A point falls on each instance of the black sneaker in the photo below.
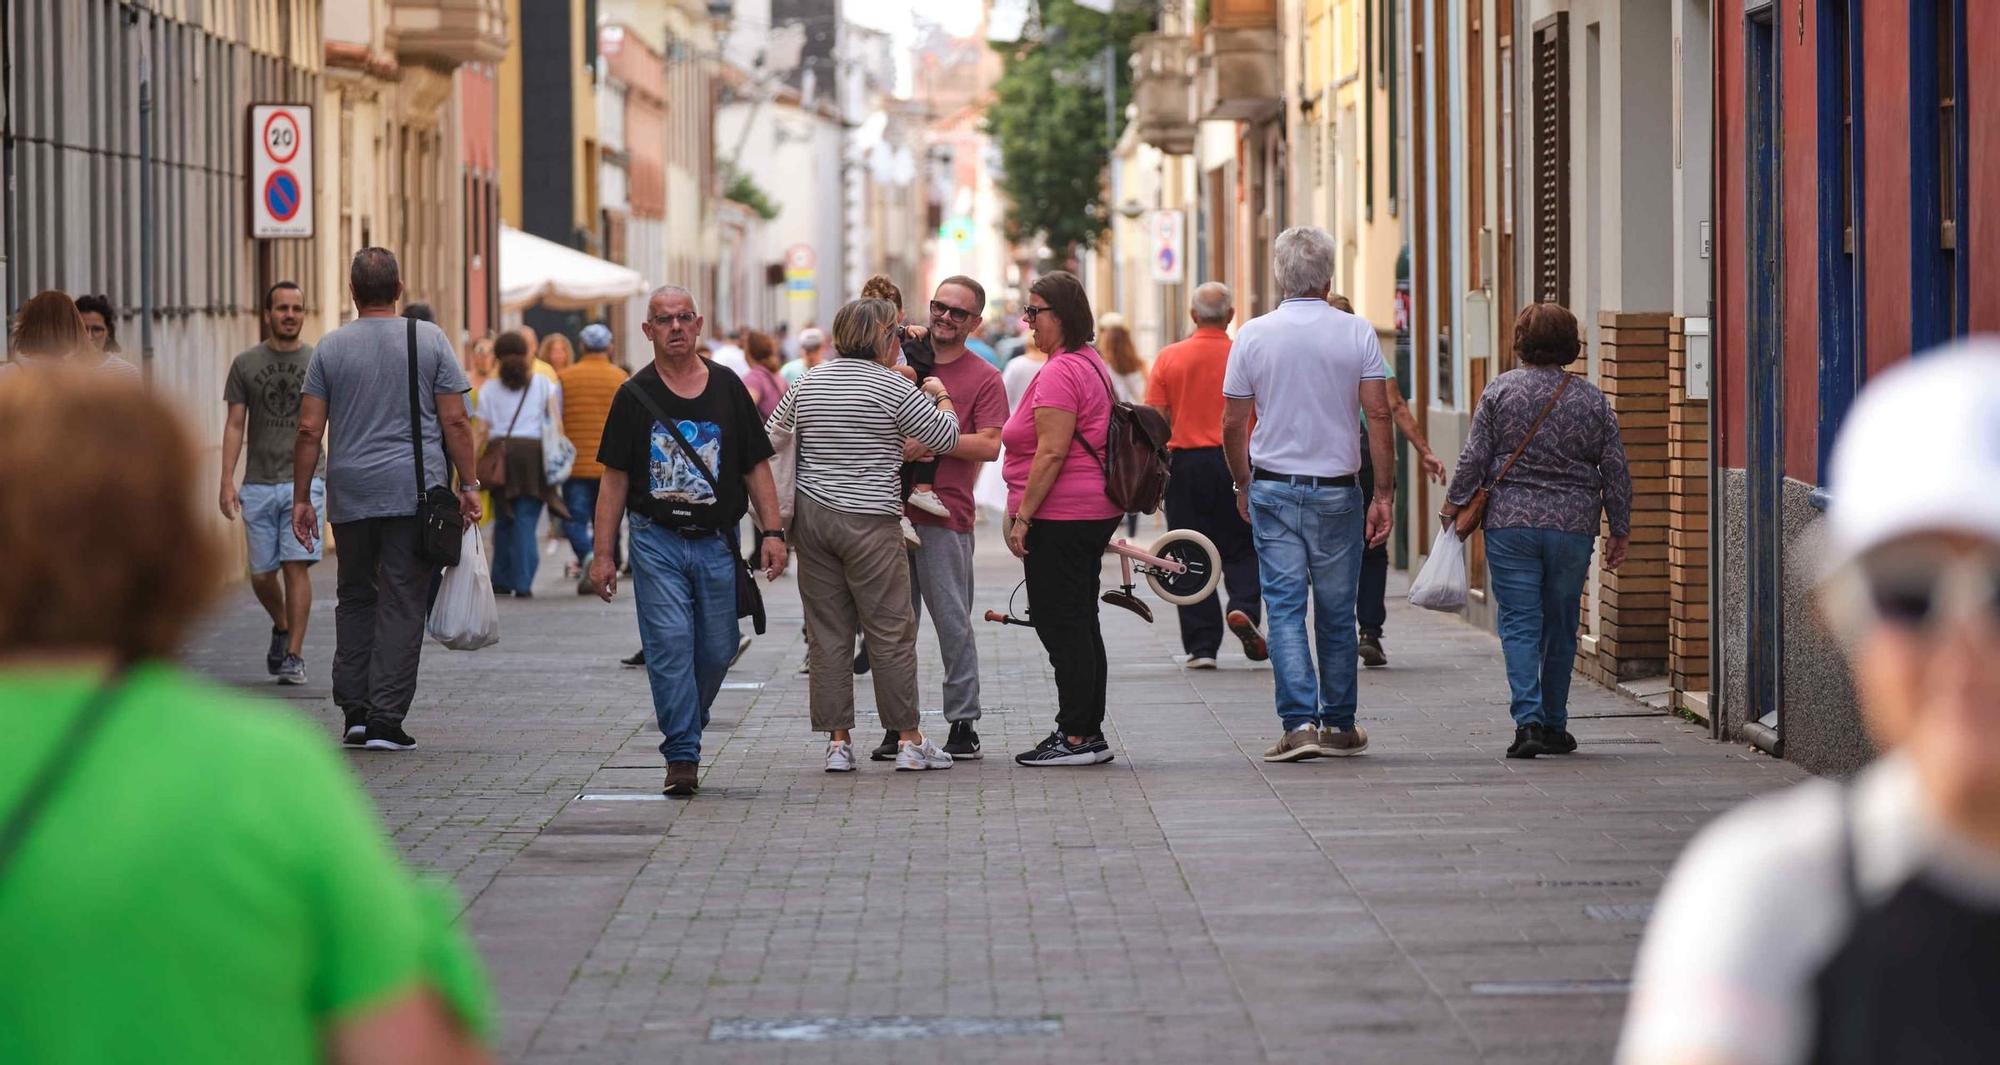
(1371, 651)
(1056, 750)
(891, 741)
(638, 658)
(1558, 741)
(1529, 741)
(389, 738)
(861, 661)
(963, 743)
(292, 670)
(274, 658)
(354, 729)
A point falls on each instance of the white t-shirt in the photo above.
(1019, 370)
(1304, 363)
(1756, 907)
(731, 356)
(497, 404)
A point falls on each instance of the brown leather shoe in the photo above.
(682, 779)
(1295, 745)
(1335, 743)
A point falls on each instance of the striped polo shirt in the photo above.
(849, 418)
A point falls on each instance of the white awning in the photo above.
(533, 270)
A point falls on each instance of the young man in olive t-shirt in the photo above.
(262, 391)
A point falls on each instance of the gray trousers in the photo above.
(378, 622)
(851, 570)
(941, 578)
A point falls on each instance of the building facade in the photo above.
(1859, 216)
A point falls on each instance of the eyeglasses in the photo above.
(685, 318)
(946, 310)
(1029, 312)
(1917, 591)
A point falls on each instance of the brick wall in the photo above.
(1687, 524)
(1634, 604)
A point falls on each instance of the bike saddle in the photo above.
(1130, 602)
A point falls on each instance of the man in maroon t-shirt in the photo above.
(941, 569)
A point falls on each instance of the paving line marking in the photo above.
(829, 1029)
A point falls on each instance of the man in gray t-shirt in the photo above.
(261, 394)
(358, 387)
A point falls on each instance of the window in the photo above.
(1551, 99)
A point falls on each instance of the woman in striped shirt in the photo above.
(849, 417)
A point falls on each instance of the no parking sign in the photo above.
(281, 171)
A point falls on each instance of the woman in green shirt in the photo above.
(186, 874)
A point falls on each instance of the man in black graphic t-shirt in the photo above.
(683, 568)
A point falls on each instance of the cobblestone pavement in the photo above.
(1430, 901)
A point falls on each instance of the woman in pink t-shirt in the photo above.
(1058, 517)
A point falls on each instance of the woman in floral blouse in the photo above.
(1542, 518)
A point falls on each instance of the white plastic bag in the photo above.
(465, 617)
(1443, 583)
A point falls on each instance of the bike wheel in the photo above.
(1198, 554)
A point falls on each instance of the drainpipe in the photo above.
(1716, 278)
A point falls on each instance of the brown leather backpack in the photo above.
(1135, 461)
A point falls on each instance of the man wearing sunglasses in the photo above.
(1861, 921)
(941, 566)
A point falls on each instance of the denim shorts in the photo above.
(267, 525)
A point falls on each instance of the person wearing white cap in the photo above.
(812, 351)
(1860, 922)
(587, 388)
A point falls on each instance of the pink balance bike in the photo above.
(1182, 567)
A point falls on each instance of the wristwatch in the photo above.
(772, 534)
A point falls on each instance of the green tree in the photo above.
(1047, 116)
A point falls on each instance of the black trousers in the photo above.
(1063, 563)
(1370, 606)
(1198, 498)
(378, 622)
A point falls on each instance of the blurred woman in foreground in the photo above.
(1860, 922)
(186, 873)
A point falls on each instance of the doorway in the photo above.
(1764, 385)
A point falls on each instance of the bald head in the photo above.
(1212, 305)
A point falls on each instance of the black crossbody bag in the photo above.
(749, 598)
(440, 524)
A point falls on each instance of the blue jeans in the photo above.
(1309, 539)
(580, 497)
(516, 555)
(686, 591)
(1538, 576)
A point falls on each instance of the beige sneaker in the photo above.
(1295, 745)
(1335, 743)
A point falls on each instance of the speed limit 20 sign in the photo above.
(281, 171)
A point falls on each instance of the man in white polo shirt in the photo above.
(1307, 372)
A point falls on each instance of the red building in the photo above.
(1858, 194)
(479, 156)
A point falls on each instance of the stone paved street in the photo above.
(1429, 902)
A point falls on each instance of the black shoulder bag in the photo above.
(440, 524)
(749, 598)
(68, 749)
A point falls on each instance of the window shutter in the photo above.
(1552, 159)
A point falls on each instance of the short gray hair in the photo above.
(672, 290)
(1213, 304)
(1302, 260)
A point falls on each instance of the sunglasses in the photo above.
(1917, 592)
(946, 310)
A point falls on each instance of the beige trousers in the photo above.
(854, 566)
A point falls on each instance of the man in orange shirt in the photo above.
(587, 388)
(1186, 386)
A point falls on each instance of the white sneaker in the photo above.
(805, 666)
(928, 502)
(1201, 662)
(839, 756)
(910, 534)
(925, 755)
